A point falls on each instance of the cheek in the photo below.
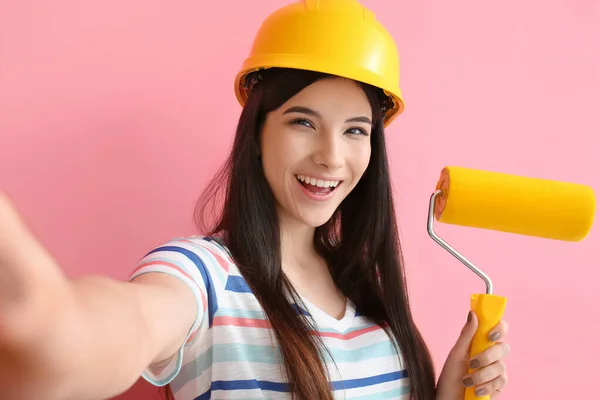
(360, 161)
(271, 169)
(281, 152)
(276, 159)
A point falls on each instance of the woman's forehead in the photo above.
(332, 97)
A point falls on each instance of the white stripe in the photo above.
(188, 265)
(201, 248)
(241, 367)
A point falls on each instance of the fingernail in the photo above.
(480, 392)
(469, 317)
(495, 336)
(468, 382)
(474, 364)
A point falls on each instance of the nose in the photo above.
(329, 151)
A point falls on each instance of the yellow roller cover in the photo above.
(515, 204)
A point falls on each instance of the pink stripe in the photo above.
(192, 336)
(165, 264)
(350, 335)
(222, 262)
(261, 323)
(246, 322)
(204, 301)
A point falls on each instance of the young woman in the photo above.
(298, 289)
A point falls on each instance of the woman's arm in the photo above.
(122, 328)
(88, 338)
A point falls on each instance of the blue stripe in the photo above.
(267, 354)
(250, 384)
(244, 385)
(237, 284)
(204, 252)
(372, 380)
(204, 396)
(300, 310)
(283, 387)
(213, 304)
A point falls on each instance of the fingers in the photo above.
(494, 386)
(495, 395)
(495, 352)
(492, 354)
(10, 220)
(14, 235)
(29, 276)
(499, 331)
(490, 374)
(485, 374)
(10, 224)
(21, 252)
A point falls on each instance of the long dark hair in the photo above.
(361, 248)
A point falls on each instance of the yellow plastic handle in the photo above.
(489, 309)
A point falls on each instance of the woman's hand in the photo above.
(31, 282)
(489, 376)
(33, 291)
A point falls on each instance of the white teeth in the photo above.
(317, 182)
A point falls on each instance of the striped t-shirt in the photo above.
(230, 351)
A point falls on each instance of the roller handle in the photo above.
(489, 309)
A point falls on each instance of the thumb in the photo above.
(12, 234)
(469, 330)
(460, 351)
(32, 285)
(456, 364)
(25, 264)
(20, 250)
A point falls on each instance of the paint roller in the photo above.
(507, 203)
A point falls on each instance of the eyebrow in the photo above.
(309, 111)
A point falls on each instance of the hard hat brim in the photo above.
(252, 64)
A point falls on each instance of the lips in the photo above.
(317, 189)
(308, 180)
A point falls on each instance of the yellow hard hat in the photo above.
(338, 37)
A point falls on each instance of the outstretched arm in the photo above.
(88, 338)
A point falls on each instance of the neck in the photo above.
(296, 240)
(306, 270)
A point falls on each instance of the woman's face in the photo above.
(316, 147)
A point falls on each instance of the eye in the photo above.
(301, 121)
(357, 131)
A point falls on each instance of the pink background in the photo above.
(114, 114)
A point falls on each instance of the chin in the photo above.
(314, 219)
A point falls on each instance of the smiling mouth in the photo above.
(317, 186)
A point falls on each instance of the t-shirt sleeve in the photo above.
(182, 259)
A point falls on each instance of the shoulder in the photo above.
(200, 256)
